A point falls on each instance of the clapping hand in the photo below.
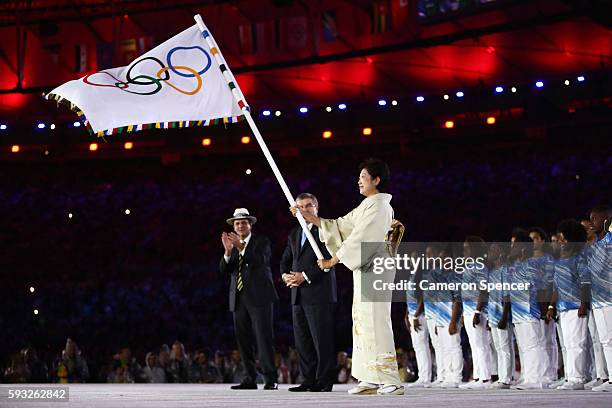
(227, 243)
(235, 240)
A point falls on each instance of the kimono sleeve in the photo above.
(333, 231)
(369, 226)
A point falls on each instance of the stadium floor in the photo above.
(219, 395)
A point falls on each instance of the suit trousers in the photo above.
(313, 329)
(254, 330)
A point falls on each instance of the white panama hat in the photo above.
(241, 214)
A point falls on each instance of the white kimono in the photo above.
(374, 358)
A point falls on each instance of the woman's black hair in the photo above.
(377, 168)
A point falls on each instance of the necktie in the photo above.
(239, 284)
(303, 239)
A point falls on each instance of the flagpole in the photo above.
(240, 99)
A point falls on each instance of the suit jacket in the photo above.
(322, 288)
(258, 287)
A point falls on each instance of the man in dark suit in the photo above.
(251, 297)
(313, 296)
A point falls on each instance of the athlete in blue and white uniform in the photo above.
(500, 318)
(570, 301)
(475, 313)
(416, 324)
(528, 327)
(600, 267)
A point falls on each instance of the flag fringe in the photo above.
(138, 127)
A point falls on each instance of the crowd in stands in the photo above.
(168, 365)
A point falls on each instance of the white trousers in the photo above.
(494, 369)
(420, 343)
(503, 340)
(601, 371)
(552, 351)
(435, 342)
(531, 342)
(603, 321)
(575, 331)
(480, 346)
(450, 346)
(562, 347)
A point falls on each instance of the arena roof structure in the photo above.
(291, 53)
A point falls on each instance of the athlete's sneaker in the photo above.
(449, 384)
(557, 383)
(528, 386)
(363, 388)
(571, 385)
(500, 386)
(419, 384)
(391, 389)
(435, 384)
(605, 387)
(470, 385)
(596, 382)
(482, 385)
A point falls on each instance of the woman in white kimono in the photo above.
(374, 361)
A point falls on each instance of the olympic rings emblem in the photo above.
(161, 76)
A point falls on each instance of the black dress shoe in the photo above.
(301, 388)
(271, 386)
(321, 388)
(244, 386)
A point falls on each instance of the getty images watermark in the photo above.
(439, 271)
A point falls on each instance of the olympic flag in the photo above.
(176, 84)
(180, 83)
